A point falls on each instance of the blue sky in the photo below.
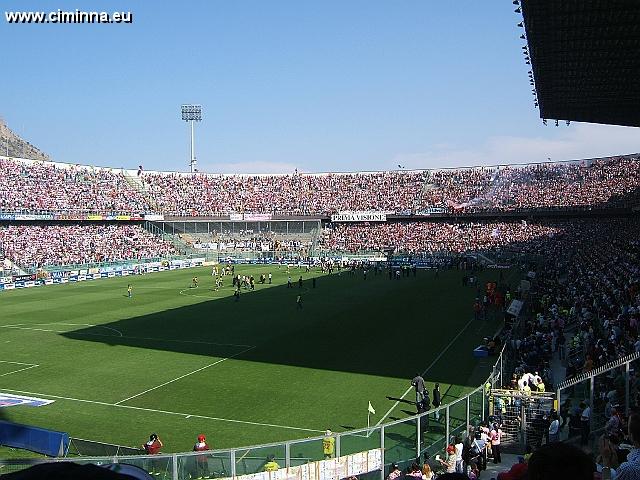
(318, 86)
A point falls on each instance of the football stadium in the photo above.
(178, 321)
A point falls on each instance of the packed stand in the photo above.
(46, 187)
(433, 237)
(41, 246)
(560, 185)
(467, 190)
(296, 194)
(40, 186)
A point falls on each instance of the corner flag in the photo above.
(371, 410)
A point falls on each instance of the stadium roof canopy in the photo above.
(585, 57)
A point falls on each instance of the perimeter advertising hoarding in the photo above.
(29, 217)
(359, 217)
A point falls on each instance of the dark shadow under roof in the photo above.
(585, 57)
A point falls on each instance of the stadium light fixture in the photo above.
(523, 37)
(521, 25)
(191, 114)
(517, 10)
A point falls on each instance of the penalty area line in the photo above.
(153, 410)
(183, 376)
(19, 370)
(426, 370)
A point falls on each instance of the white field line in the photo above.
(152, 410)
(427, 369)
(19, 370)
(83, 325)
(18, 363)
(20, 327)
(210, 297)
(183, 376)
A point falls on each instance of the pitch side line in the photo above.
(19, 370)
(152, 410)
(185, 375)
(20, 327)
(427, 369)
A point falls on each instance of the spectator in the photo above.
(630, 470)
(560, 461)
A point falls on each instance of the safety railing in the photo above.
(400, 441)
(601, 389)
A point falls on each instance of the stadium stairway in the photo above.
(136, 182)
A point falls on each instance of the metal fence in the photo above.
(401, 441)
(600, 389)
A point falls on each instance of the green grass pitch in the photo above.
(181, 361)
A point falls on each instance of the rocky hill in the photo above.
(16, 146)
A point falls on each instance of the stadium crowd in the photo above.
(45, 186)
(41, 246)
(433, 237)
(38, 187)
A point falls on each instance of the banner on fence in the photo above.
(330, 469)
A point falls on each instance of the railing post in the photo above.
(592, 383)
(382, 450)
(418, 436)
(482, 391)
(627, 392)
(174, 466)
(501, 381)
(446, 413)
(338, 446)
(466, 428)
(233, 463)
(287, 454)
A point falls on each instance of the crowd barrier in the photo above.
(40, 440)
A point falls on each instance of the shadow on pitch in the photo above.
(378, 326)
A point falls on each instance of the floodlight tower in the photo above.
(192, 113)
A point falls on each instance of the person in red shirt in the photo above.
(201, 461)
(152, 447)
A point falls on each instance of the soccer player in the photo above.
(299, 302)
(300, 282)
(289, 281)
(270, 277)
(194, 282)
(129, 290)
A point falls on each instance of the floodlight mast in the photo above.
(192, 113)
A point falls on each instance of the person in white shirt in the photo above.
(585, 423)
(554, 428)
(459, 446)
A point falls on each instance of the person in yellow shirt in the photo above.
(328, 445)
(271, 465)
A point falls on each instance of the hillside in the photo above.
(16, 146)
